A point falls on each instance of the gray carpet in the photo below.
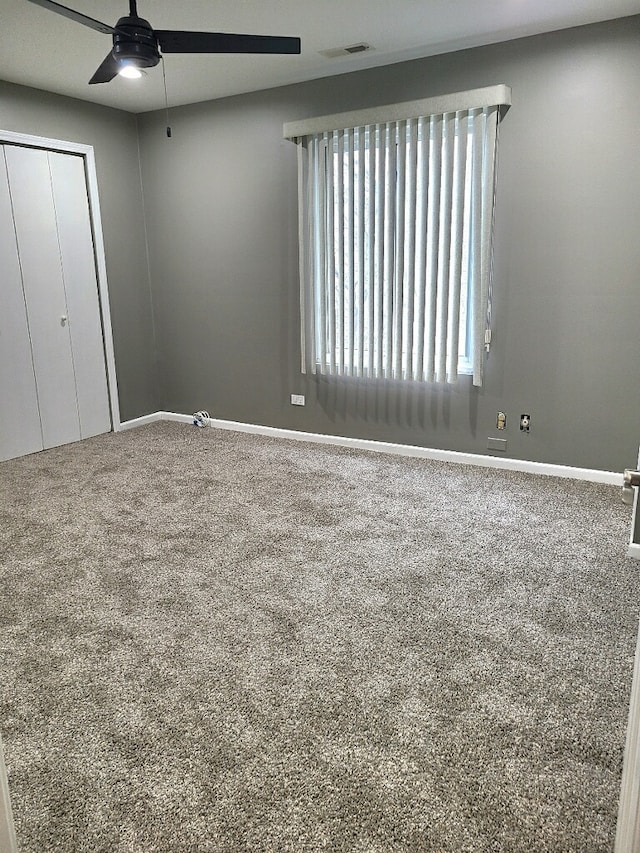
(211, 641)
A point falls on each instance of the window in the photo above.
(395, 239)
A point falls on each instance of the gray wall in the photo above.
(113, 134)
(221, 203)
(221, 214)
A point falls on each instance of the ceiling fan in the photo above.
(137, 45)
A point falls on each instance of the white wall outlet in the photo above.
(297, 399)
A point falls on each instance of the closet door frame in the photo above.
(86, 151)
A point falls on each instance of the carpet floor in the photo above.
(212, 641)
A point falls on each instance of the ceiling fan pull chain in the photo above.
(166, 100)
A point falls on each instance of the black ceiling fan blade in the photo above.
(176, 41)
(78, 17)
(107, 71)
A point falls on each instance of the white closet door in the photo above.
(20, 431)
(81, 288)
(43, 284)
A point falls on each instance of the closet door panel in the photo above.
(81, 288)
(39, 251)
(19, 415)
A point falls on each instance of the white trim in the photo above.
(490, 96)
(628, 827)
(14, 138)
(182, 419)
(86, 151)
(8, 842)
(592, 475)
(142, 421)
(155, 416)
(634, 547)
(103, 289)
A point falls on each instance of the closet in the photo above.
(53, 377)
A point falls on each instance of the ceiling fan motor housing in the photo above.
(134, 41)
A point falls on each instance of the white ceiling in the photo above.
(46, 51)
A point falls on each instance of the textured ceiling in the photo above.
(46, 51)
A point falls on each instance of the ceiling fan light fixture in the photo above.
(130, 71)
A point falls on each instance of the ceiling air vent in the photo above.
(334, 52)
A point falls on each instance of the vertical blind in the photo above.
(395, 243)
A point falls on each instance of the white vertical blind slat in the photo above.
(371, 234)
(457, 223)
(486, 225)
(309, 270)
(350, 254)
(389, 249)
(422, 184)
(330, 289)
(401, 129)
(475, 243)
(444, 246)
(433, 238)
(380, 158)
(340, 277)
(410, 251)
(304, 241)
(360, 319)
(320, 265)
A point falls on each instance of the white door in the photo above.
(81, 288)
(54, 241)
(20, 431)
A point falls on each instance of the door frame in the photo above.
(628, 825)
(8, 841)
(86, 152)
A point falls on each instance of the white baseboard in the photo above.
(137, 422)
(593, 475)
(634, 551)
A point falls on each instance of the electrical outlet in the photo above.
(525, 423)
(297, 399)
(501, 421)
